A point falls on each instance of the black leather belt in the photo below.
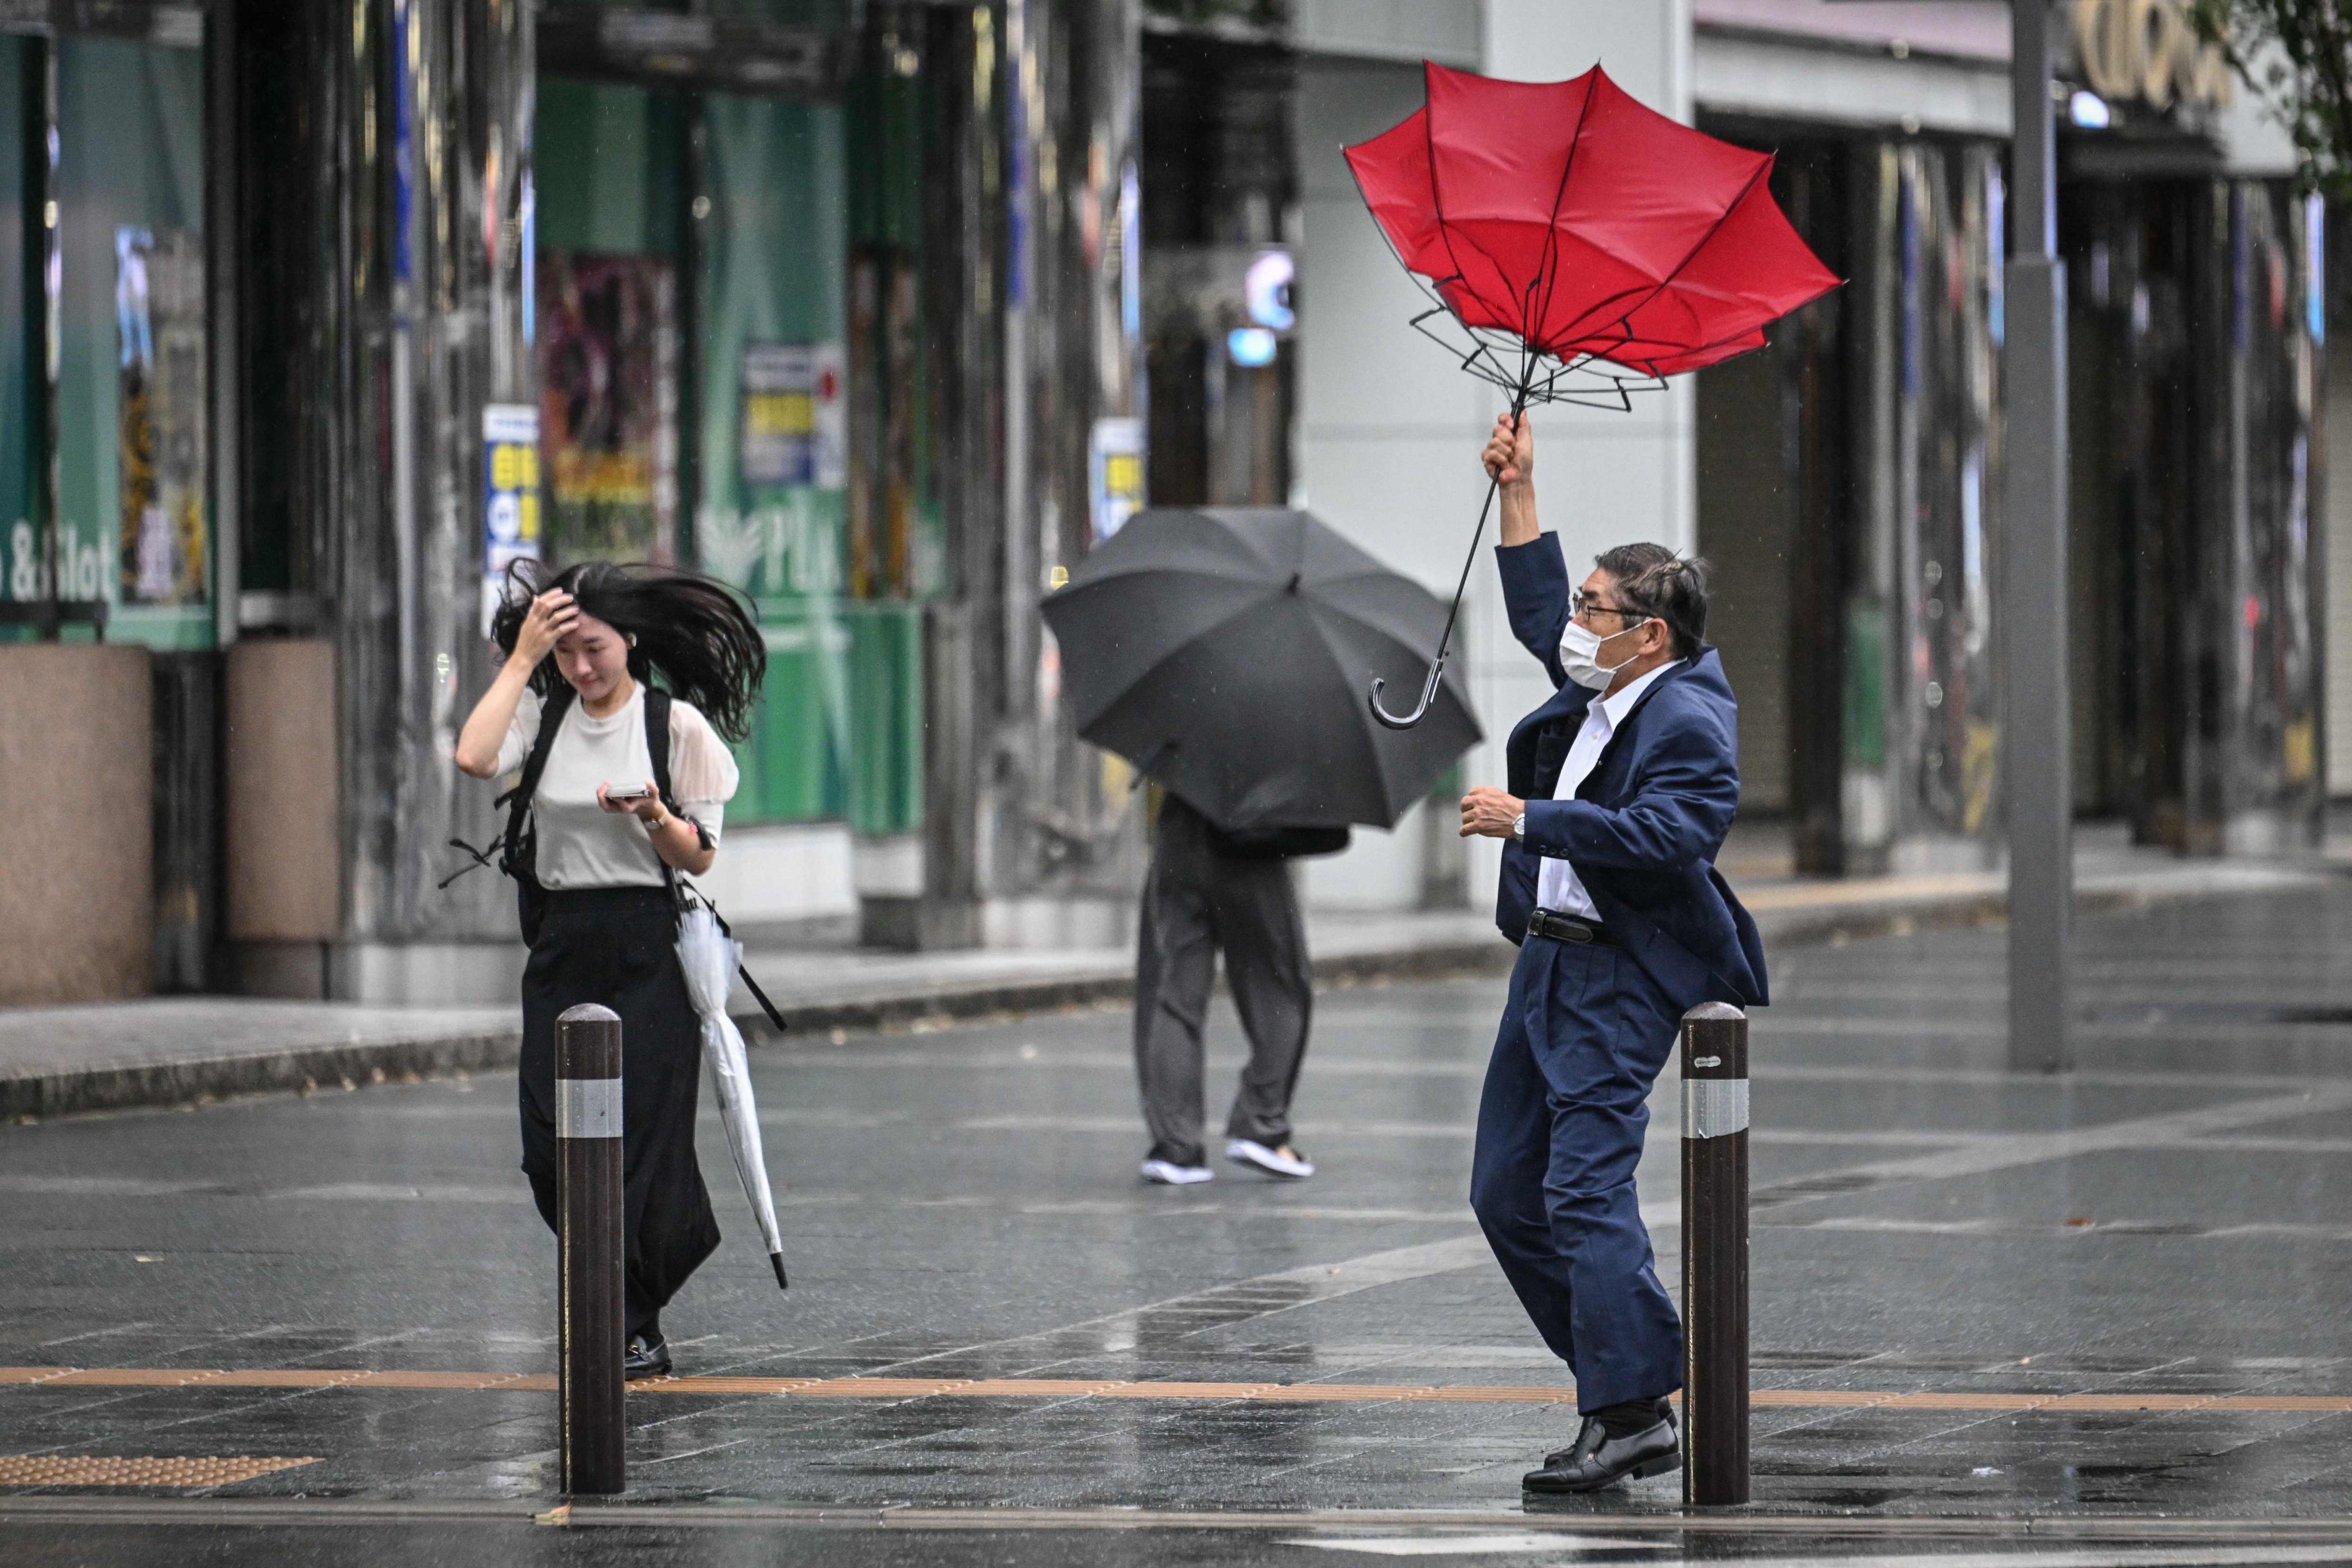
(1569, 928)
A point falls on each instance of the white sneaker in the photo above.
(1168, 1174)
(1283, 1162)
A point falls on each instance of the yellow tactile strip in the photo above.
(98, 1470)
(1112, 1388)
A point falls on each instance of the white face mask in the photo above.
(1579, 655)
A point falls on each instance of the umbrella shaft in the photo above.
(1494, 487)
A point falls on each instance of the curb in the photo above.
(68, 1091)
(189, 1083)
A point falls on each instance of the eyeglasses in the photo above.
(1579, 605)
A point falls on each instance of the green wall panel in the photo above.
(608, 167)
(797, 764)
(885, 688)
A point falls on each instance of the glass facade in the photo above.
(772, 511)
(1850, 489)
(23, 508)
(610, 215)
(1930, 466)
(121, 428)
(728, 342)
(2196, 349)
(1219, 229)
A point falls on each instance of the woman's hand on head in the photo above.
(1510, 454)
(550, 615)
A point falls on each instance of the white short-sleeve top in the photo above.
(582, 844)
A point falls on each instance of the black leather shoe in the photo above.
(1596, 1459)
(649, 1356)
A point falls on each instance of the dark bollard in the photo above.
(588, 1125)
(1715, 1255)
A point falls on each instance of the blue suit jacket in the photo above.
(1648, 821)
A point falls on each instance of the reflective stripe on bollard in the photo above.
(588, 1240)
(1715, 1255)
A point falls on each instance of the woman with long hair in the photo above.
(575, 708)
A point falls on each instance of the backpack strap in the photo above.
(657, 706)
(658, 740)
(658, 749)
(518, 799)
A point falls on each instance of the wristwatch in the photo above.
(1519, 828)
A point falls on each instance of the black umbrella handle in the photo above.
(1420, 709)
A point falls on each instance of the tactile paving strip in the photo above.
(97, 1470)
(63, 1377)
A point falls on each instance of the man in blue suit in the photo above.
(1620, 789)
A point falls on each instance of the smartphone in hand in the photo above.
(628, 794)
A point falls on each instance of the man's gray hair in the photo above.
(1652, 580)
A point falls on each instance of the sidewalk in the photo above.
(176, 1050)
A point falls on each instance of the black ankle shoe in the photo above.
(1596, 1459)
(649, 1356)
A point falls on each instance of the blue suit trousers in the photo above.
(1583, 1036)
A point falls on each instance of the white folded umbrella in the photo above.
(710, 959)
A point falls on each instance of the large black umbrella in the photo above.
(1224, 651)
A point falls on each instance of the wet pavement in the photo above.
(2096, 1320)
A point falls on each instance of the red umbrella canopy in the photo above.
(1585, 226)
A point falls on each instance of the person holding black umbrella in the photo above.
(1209, 889)
(1222, 651)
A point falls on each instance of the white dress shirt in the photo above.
(1557, 888)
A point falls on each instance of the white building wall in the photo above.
(1389, 429)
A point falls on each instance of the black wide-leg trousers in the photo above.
(618, 947)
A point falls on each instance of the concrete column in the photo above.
(1028, 263)
(2031, 620)
(392, 225)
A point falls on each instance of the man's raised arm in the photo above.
(1535, 574)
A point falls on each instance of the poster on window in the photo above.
(159, 313)
(1114, 473)
(608, 406)
(794, 420)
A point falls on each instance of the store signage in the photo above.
(795, 417)
(2147, 51)
(1114, 473)
(509, 494)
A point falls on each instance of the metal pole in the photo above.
(1715, 1255)
(588, 1127)
(2037, 783)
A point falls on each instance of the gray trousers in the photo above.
(1195, 902)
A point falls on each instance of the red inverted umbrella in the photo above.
(1579, 246)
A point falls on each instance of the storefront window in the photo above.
(21, 577)
(133, 511)
(610, 179)
(772, 447)
(698, 355)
